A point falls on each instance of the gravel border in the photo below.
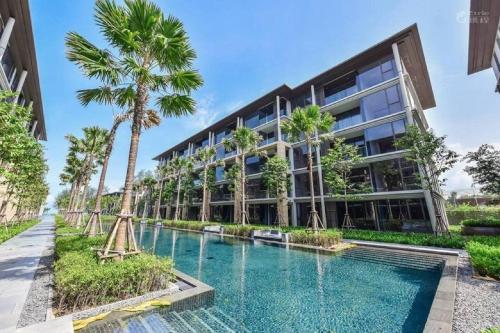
(477, 301)
(38, 300)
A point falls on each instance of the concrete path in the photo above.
(19, 257)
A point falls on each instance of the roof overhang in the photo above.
(23, 52)
(483, 25)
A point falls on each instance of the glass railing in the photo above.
(267, 142)
(341, 94)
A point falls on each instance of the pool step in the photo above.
(211, 320)
(405, 260)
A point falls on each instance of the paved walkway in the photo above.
(19, 257)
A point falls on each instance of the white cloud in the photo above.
(208, 113)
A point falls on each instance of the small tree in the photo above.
(434, 158)
(245, 142)
(306, 123)
(337, 167)
(484, 168)
(275, 177)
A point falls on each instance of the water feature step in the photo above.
(195, 322)
(227, 320)
(214, 322)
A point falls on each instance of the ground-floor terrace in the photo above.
(408, 214)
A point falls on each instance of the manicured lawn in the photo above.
(11, 231)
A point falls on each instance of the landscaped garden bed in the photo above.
(82, 282)
(488, 226)
(15, 229)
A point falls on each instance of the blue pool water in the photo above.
(267, 288)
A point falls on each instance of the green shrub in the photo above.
(188, 225)
(485, 258)
(325, 239)
(464, 212)
(81, 282)
(454, 241)
(77, 244)
(488, 222)
(15, 229)
(240, 230)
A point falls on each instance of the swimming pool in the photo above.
(265, 288)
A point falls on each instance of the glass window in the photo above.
(339, 89)
(219, 173)
(300, 157)
(252, 120)
(381, 103)
(302, 100)
(359, 142)
(377, 74)
(220, 152)
(387, 176)
(380, 139)
(347, 119)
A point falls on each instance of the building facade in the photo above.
(373, 96)
(484, 38)
(18, 70)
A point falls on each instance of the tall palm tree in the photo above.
(149, 182)
(151, 119)
(246, 142)
(152, 59)
(91, 147)
(182, 168)
(306, 123)
(205, 156)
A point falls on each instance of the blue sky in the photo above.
(246, 48)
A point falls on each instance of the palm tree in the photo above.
(152, 56)
(151, 119)
(149, 182)
(205, 156)
(182, 168)
(244, 141)
(307, 122)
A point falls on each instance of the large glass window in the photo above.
(380, 139)
(220, 152)
(256, 189)
(358, 142)
(267, 138)
(262, 116)
(381, 103)
(339, 89)
(348, 119)
(379, 73)
(219, 173)
(302, 185)
(395, 175)
(254, 164)
(302, 100)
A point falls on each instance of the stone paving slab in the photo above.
(19, 258)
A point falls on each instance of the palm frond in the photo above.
(176, 105)
(101, 95)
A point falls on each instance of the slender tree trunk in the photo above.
(158, 202)
(83, 203)
(105, 162)
(314, 214)
(146, 197)
(244, 216)
(140, 103)
(176, 217)
(204, 204)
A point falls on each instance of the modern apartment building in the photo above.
(374, 95)
(18, 70)
(484, 38)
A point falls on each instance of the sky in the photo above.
(247, 48)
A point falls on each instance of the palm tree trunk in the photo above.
(314, 214)
(204, 204)
(83, 203)
(158, 202)
(104, 169)
(244, 216)
(176, 217)
(140, 103)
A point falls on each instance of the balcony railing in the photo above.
(341, 94)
